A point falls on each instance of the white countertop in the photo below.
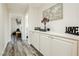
(64, 35)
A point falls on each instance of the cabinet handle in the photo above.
(50, 37)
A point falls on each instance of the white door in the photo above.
(45, 45)
(63, 47)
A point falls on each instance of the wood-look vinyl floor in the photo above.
(19, 48)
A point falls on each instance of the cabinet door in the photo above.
(32, 38)
(45, 45)
(63, 47)
(36, 40)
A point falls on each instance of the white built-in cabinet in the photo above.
(34, 39)
(50, 45)
(63, 47)
(44, 44)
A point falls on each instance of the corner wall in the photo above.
(4, 27)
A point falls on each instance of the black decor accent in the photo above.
(72, 30)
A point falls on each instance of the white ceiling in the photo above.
(17, 8)
(21, 7)
(36, 4)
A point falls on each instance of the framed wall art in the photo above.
(54, 13)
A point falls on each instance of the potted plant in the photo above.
(45, 20)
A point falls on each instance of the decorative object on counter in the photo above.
(45, 20)
(37, 28)
(40, 29)
(55, 12)
(18, 21)
(48, 29)
(72, 30)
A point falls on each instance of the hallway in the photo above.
(42, 29)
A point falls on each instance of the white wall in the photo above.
(70, 18)
(4, 27)
(34, 17)
(13, 24)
